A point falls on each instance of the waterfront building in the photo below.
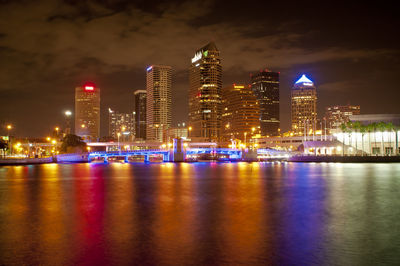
(337, 115)
(372, 134)
(304, 106)
(87, 112)
(205, 78)
(265, 85)
(121, 125)
(140, 113)
(158, 101)
(240, 113)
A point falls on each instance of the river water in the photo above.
(200, 214)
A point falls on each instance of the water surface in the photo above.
(200, 213)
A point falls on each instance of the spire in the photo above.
(210, 46)
(304, 79)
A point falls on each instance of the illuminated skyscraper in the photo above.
(140, 113)
(265, 85)
(240, 113)
(205, 78)
(87, 112)
(122, 123)
(159, 100)
(304, 106)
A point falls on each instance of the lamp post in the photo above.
(123, 128)
(119, 134)
(56, 129)
(68, 122)
(9, 127)
(190, 129)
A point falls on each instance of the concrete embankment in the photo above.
(345, 159)
(61, 158)
(26, 161)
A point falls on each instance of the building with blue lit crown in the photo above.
(304, 106)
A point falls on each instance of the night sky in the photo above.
(47, 48)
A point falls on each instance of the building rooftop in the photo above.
(210, 46)
(303, 79)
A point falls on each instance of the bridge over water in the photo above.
(176, 155)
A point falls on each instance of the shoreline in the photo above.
(296, 159)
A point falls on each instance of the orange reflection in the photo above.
(174, 217)
(120, 215)
(52, 225)
(15, 212)
(243, 212)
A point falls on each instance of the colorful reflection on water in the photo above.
(200, 213)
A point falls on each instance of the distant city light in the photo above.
(89, 88)
(68, 113)
(149, 68)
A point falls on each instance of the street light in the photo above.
(9, 127)
(118, 134)
(190, 129)
(56, 129)
(68, 122)
(123, 128)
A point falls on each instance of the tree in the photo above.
(73, 143)
(3, 146)
(343, 127)
(373, 126)
(363, 130)
(349, 127)
(382, 127)
(357, 128)
(369, 129)
(390, 127)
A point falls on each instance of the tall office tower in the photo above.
(337, 115)
(205, 78)
(140, 112)
(240, 113)
(265, 85)
(122, 124)
(87, 112)
(304, 106)
(159, 100)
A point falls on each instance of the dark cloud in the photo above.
(47, 48)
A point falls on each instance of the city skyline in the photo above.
(347, 68)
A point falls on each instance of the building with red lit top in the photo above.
(87, 112)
